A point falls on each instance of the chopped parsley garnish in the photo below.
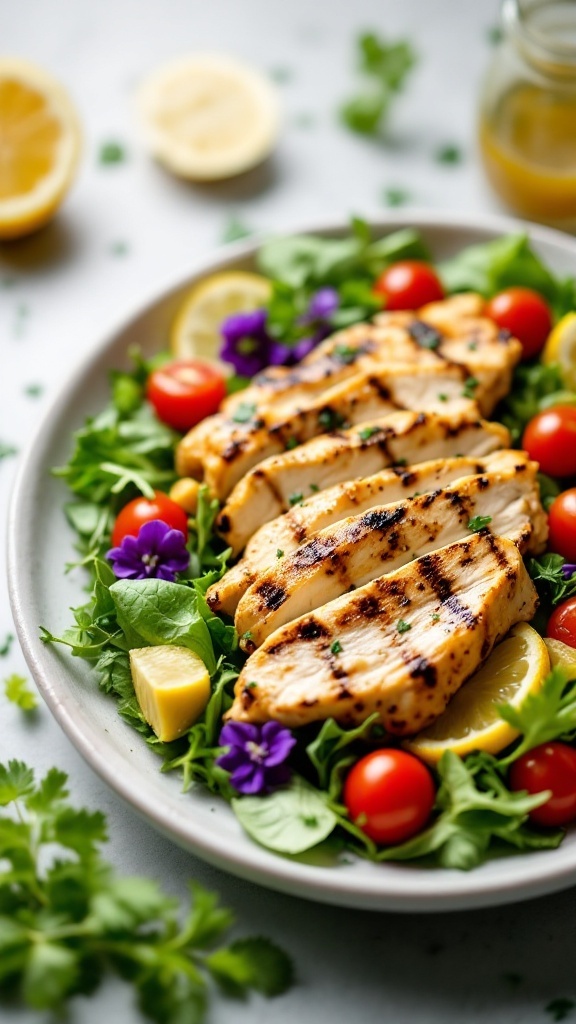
(400, 462)
(403, 626)
(279, 553)
(478, 523)
(6, 645)
(395, 196)
(234, 230)
(111, 153)
(336, 647)
(34, 390)
(248, 635)
(442, 397)
(435, 617)
(346, 353)
(424, 334)
(470, 385)
(472, 345)
(296, 499)
(385, 67)
(448, 154)
(291, 443)
(244, 412)
(367, 432)
(251, 685)
(330, 419)
(314, 488)
(6, 450)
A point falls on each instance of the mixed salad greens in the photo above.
(127, 451)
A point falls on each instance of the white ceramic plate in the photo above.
(40, 542)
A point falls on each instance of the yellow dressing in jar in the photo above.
(527, 128)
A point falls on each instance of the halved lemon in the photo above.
(39, 147)
(516, 667)
(561, 348)
(208, 117)
(196, 329)
(562, 656)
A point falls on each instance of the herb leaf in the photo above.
(548, 714)
(17, 690)
(385, 67)
(478, 523)
(289, 820)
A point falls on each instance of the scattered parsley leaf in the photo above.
(69, 918)
(244, 412)
(494, 35)
(403, 626)
(435, 617)
(6, 450)
(281, 75)
(442, 397)
(470, 385)
(111, 153)
(478, 523)
(119, 248)
(394, 196)
(248, 635)
(448, 154)
(367, 432)
(385, 67)
(296, 499)
(34, 390)
(346, 354)
(331, 419)
(234, 230)
(17, 690)
(560, 1009)
(291, 443)
(336, 647)
(314, 488)
(6, 645)
(279, 553)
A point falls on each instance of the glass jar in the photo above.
(528, 111)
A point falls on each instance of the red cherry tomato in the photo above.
(550, 439)
(562, 525)
(562, 623)
(143, 510)
(409, 284)
(184, 392)
(391, 793)
(551, 766)
(525, 314)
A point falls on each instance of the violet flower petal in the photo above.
(237, 734)
(279, 741)
(323, 304)
(568, 570)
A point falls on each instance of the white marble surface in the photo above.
(63, 288)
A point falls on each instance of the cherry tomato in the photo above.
(409, 284)
(562, 525)
(562, 623)
(184, 392)
(550, 439)
(525, 314)
(551, 766)
(392, 793)
(143, 510)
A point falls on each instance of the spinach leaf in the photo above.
(290, 820)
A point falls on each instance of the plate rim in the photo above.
(419, 890)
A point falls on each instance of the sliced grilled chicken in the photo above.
(232, 449)
(401, 646)
(285, 480)
(283, 535)
(361, 548)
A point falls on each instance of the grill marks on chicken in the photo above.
(401, 362)
(458, 602)
(286, 533)
(361, 548)
(284, 481)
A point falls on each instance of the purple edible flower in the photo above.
(322, 305)
(256, 755)
(158, 551)
(568, 570)
(246, 343)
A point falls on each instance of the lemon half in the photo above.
(561, 348)
(516, 667)
(208, 117)
(39, 147)
(196, 329)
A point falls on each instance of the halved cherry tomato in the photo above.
(562, 623)
(525, 314)
(550, 439)
(409, 284)
(390, 794)
(143, 510)
(562, 525)
(184, 392)
(551, 766)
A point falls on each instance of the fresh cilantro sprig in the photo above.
(66, 917)
(551, 584)
(385, 67)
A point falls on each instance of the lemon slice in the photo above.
(172, 686)
(562, 656)
(39, 147)
(561, 348)
(196, 329)
(208, 117)
(516, 667)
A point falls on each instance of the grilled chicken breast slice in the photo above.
(458, 602)
(285, 534)
(360, 548)
(231, 449)
(285, 480)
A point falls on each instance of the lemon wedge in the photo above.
(516, 667)
(561, 348)
(208, 117)
(172, 686)
(196, 329)
(39, 147)
(562, 656)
